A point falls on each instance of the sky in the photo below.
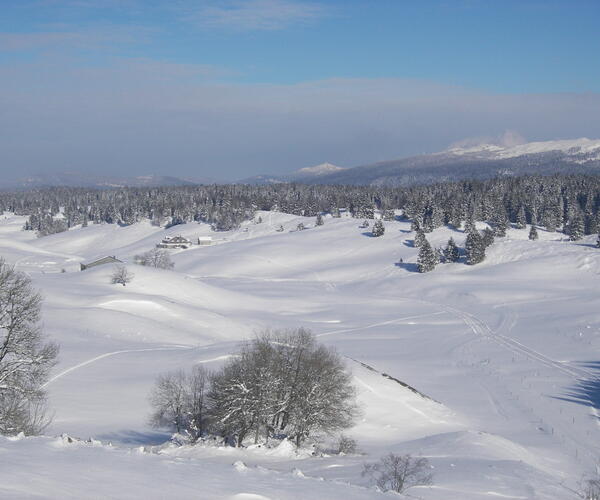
(229, 89)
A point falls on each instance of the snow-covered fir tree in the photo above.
(487, 236)
(575, 227)
(378, 228)
(451, 253)
(469, 225)
(533, 234)
(319, 221)
(474, 248)
(427, 259)
(499, 224)
(389, 215)
(419, 238)
(521, 221)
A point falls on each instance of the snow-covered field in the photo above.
(507, 352)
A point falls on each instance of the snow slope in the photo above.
(503, 356)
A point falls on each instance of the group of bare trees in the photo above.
(25, 357)
(155, 258)
(280, 384)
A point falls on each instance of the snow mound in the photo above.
(286, 449)
(240, 466)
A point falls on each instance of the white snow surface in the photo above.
(504, 354)
(568, 146)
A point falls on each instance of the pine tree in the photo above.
(487, 237)
(437, 217)
(474, 248)
(451, 253)
(319, 221)
(389, 215)
(550, 219)
(500, 225)
(575, 228)
(419, 238)
(378, 228)
(439, 255)
(598, 241)
(521, 218)
(469, 225)
(427, 258)
(533, 234)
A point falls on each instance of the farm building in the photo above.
(174, 242)
(205, 240)
(110, 259)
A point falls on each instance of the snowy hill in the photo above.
(503, 355)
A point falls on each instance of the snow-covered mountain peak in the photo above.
(321, 169)
(571, 147)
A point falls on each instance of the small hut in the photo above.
(110, 259)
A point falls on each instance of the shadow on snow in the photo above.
(136, 438)
(585, 391)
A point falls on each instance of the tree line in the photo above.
(559, 202)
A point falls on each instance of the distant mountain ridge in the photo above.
(479, 162)
(80, 179)
(306, 175)
(483, 161)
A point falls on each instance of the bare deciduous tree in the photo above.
(591, 489)
(25, 359)
(178, 400)
(155, 258)
(196, 397)
(325, 395)
(399, 472)
(168, 401)
(121, 276)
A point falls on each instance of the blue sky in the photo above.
(232, 88)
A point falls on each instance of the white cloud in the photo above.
(257, 14)
(99, 37)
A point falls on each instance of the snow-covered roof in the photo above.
(176, 239)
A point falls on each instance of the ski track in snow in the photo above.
(381, 323)
(482, 329)
(109, 354)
